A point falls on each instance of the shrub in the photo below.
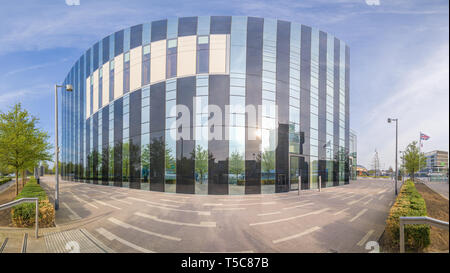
(23, 215)
(4, 180)
(409, 203)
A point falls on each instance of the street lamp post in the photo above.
(69, 88)
(389, 120)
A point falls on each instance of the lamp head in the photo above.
(69, 87)
(389, 120)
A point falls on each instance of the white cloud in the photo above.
(420, 100)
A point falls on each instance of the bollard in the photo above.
(320, 182)
(299, 183)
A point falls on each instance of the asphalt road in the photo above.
(338, 219)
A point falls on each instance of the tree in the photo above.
(412, 158)
(22, 144)
(201, 162)
(237, 164)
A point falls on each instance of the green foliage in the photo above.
(409, 203)
(237, 163)
(5, 180)
(22, 144)
(411, 158)
(201, 162)
(268, 161)
(23, 215)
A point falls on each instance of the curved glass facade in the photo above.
(209, 105)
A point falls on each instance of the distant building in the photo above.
(437, 161)
(361, 170)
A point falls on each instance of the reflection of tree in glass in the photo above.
(268, 161)
(170, 159)
(156, 156)
(237, 164)
(125, 161)
(201, 162)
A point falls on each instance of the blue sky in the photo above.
(399, 55)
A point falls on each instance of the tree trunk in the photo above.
(23, 178)
(17, 182)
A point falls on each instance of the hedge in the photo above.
(23, 215)
(4, 180)
(409, 203)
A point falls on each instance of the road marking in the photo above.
(299, 206)
(365, 238)
(74, 215)
(381, 197)
(155, 218)
(356, 201)
(341, 211)
(106, 204)
(108, 235)
(84, 201)
(183, 210)
(269, 213)
(382, 191)
(220, 204)
(174, 201)
(128, 226)
(348, 197)
(289, 218)
(390, 203)
(153, 203)
(368, 201)
(308, 231)
(358, 215)
(122, 201)
(228, 208)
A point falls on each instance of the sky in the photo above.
(399, 51)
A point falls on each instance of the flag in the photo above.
(423, 136)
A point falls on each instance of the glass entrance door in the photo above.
(294, 172)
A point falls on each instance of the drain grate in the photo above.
(74, 241)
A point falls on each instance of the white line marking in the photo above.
(348, 197)
(356, 201)
(228, 208)
(308, 231)
(381, 197)
(183, 210)
(358, 215)
(128, 226)
(341, 211)
(155, 218)
(74, 215)
(390, 203)
(269, 213)
(122, 201)
(382, 191)
(365, 238)
(153, 203)
(299, 206)
(368, 201)
(220, 204)
(106, 204)
(289, 218)
(84, 201)
(111, 237)
(174, 201)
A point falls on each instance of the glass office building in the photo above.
(209, 105)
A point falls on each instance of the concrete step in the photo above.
(11, 244)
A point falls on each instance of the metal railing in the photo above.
(25, 200)
(421, 220)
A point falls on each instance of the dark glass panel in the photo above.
(159, 30)
(105, 144)
(337, 51)
(88, 62)
(105, 43)
(203, 56)
(146, 69)
(126, 77)
(220, 25)
(135, 139)
(186, 89)
(157, 127)
(187, 26)
(118, 141)
(118, 42)
(253, 86)
(305, 99)
(95, 61)
(219, 94)
(322, 107)
(282, 98)
(171, 68)
(135, 36)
